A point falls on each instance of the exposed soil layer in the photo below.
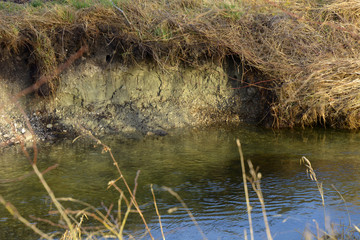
(106, 96)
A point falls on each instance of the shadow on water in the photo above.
(203, 167)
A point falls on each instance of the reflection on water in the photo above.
(203, 167)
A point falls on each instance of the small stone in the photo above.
(150, 133)
(27, 136)
(23, 130)
(160, 132)
(49, 125)
(251, 91)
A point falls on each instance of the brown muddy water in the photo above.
(203, 167)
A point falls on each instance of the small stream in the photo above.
(203, 167)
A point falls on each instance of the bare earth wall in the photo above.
(108, 97)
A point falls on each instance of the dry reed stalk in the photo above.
(255, 183)
(129, 206)
(122, 12)
(317, 229)
(112, 183)
(28, 175)
(157, 212)
(307, 234)
(99, 216)
(72, 232)
(172, 192)
(49, 222)
(14, 212)
(330, 232)
(119, 206)
(110, 228)
(343, 199)
(33, 162)
(108, 211)
(311, 173)
(59, 207)
(248, 206)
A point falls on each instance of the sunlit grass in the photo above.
(308, 50)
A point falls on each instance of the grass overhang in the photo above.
(309, 49)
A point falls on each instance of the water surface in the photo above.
(203, 167)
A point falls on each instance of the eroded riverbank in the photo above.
(153, 65)
(108, 97)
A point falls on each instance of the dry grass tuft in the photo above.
(255, 181)
(331, 230)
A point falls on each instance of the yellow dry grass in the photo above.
(309, 49)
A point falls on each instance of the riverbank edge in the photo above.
(130, 100)
(190, 35)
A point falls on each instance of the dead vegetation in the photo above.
(309, 49)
